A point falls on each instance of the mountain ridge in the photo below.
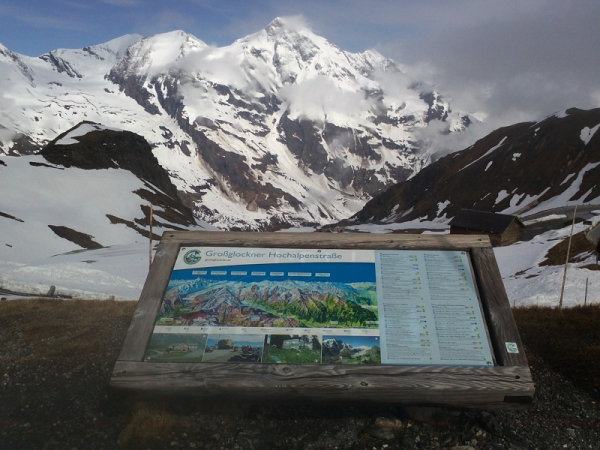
(279, 128)
(522, 168)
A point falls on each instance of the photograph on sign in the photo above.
(234, 348)
(322, 306)
(351, 350)
(292, 349)
(175, 347)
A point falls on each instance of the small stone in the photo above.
(571, 432)
(174, 444)
(383, 433)
(384, 422)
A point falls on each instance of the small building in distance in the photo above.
(503, 229)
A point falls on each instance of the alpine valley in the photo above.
(270, 304)
(280, 128)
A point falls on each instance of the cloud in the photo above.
(530, 64)
(74, 4)
(123, 3)
(320, 99)
(217, 65)
(8, 109)
(504, 62)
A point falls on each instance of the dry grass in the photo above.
(82, 338)
(581, 248)
(568, 340)
(61, 330)
(149, 424)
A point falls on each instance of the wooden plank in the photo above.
(425, 385)
(142, 324)
(409, 385)
(327, 240)
(496, 307)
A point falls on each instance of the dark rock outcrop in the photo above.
(112, 149)
(519, 166)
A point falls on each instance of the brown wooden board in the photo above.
(509, 380)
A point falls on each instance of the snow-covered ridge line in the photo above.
(309, 131)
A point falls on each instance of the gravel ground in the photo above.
(64, 403)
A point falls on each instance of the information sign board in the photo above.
(412, 319)
(278, 305)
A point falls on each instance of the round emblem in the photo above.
(192, 257)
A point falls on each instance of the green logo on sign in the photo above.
(192, 257)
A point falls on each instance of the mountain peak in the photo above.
(280, 127)
(290, 23)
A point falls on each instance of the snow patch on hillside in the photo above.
(565, 199)
(489, 152)
(528, 283)
(121, 270)
(81, 130)
(588, 133)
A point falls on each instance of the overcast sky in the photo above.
(504, 60)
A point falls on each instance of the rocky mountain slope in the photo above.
(89, 188)
(518, 169)
(280, 127)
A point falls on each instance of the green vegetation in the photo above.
(373, 356)
(303, 355)
(368, 293)
(315, 313)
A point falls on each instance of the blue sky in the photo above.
(36, 27)
(507, 60)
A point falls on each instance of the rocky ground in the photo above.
(56, 359)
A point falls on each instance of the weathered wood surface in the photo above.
(496, 308)
(426, 385)
(416, 385)
(328, 240)
(144, 318)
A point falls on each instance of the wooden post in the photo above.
(585, 297)
(150, 236)
(562, 289)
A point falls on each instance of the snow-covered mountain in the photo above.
(280, 127)
(520, 169)
(89, 189)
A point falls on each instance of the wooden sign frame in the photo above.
(508, 383)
